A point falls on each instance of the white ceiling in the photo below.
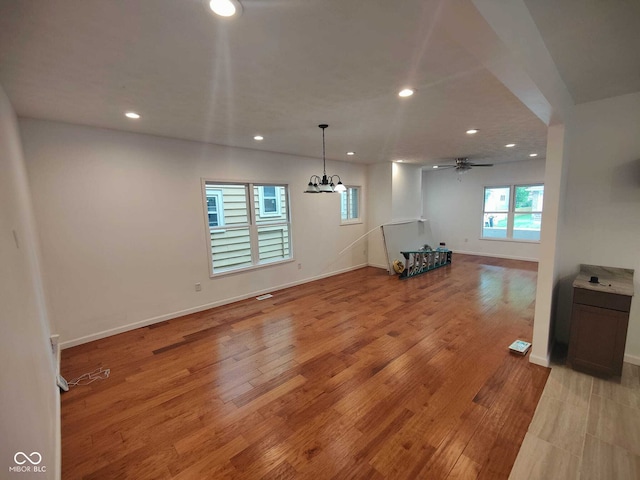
(594, 44)
(285, 66)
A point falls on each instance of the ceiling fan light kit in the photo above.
(325, 183)
(463, 165)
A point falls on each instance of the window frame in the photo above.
(348, 193)
(510, 212)
(252, 225)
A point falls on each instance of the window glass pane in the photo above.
(230, 249)
(529, 198)
(494, 225)
(354, 203)
(233, 207)
(526, 226)
(344, 214)
(350, 204)
(270, 203)
(269, 191)
(273, 243)
(212, 210)
(496, 199)
(214, 201)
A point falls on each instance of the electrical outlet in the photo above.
(198, 287)
(466, 240)
(299, 266)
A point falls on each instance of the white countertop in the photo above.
(610, 279)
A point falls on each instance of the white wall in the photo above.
(406, 191)
(122, 229)
(378, 211)
(29, 397)
(453, 204)
(602, 208)
(548, 276)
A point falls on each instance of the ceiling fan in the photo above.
(463, 165)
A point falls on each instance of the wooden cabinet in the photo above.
(599, 323)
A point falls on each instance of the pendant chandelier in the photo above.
(324, 184)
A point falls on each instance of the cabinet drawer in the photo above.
(612, 301)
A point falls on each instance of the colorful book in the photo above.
(520, 347)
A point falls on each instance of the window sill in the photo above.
(351, 222)
(252, 267)
(510, 240)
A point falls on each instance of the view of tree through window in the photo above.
(248, 224)
(513, 212)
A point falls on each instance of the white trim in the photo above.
(376, 265)
(543, 361)
(510, 240)
(200, 308)
(58, 419)
(632, 359)
(251, 267)
(496, 255)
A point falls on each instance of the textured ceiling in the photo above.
(595, 44)
(278, 70)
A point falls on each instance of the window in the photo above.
(350, 205)
(269, 200)
(248, 225)
(214, 207)
(513, 212)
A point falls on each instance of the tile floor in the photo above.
(583, 428)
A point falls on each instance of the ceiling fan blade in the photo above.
(440, 167)
(480, 164)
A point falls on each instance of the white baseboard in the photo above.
(496, 255)
(58, 413)
(376, 265)
(538, 360)
(632, 359)
(199, 308)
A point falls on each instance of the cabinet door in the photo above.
(597, 339)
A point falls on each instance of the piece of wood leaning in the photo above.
(353, 376)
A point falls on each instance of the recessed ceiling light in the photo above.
(351, 153)
(225, 8)
(407, 92)
(472, 131)
(132, 115)
(509, 145)
(399, 161)
(435, 166)
(533, 154)
(258, 137)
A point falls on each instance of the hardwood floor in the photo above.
(357, 376)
